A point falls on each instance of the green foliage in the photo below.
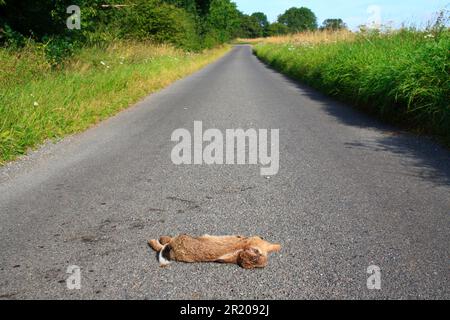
(333, 24)
(250, 27)
(403, 76)
(58, 49)
(277, 29)
(203, 7)
(189, 5)
(29, 17)
(263, 21)
(160, 22)
(189, 24)
(224, 19)
(299, 19)
(11, 38)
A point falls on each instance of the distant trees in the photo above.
(299, 19)
(250, 27)
(292, 21)
(263, 22)
(223, 19)
(333, 24)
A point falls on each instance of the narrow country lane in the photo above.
(350, 193)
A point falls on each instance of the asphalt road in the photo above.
(351, 193)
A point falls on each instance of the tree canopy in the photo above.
(333, 24)
(224, 19)
(250, 27)
(263, 21)
(299, 19)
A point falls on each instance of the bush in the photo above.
(11, 38)
(58, 49)
(277, 29)
(162, 23)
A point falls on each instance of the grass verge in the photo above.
(402, 76)
(39, 102)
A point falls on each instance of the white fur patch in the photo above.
(163, 261)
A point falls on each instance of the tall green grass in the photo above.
(402, 76)
(39, 101)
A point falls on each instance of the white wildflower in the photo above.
(36, 104)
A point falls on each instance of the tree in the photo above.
(29, 18)
(189, 5)
(203, 7)
(262, 20)
(333, 24)
(250, 27)
(223, 19)
(299, 19)
(277, 29)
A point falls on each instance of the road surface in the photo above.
(350, 193)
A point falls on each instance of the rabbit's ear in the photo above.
(155, 245)
(251, 258)
(165, 240)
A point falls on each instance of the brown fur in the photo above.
(249, 253)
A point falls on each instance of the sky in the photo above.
(354, 12)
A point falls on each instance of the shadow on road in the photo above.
(428, 159)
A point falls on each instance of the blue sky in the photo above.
(353, 12)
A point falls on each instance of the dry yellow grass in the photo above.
(310, 37)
